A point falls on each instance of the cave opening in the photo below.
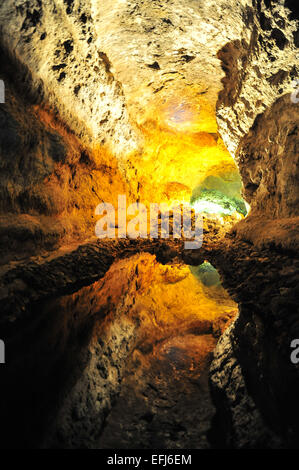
(184, 160)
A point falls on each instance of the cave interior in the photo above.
(125, 342)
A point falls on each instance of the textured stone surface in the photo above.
(165, 55)
(264, 283)
(156, 406)
(168, 50)
(238, 423)
(53, 45)
(258, 121)
(80, 344)
(43, 165)
(260, 67)
(136, 322)
(268, 160)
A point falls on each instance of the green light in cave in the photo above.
(207, 274)
(213, 201)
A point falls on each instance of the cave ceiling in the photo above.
(145, 86)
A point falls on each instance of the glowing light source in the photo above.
(215, 202)
(182, 116)
(181, 149)
(248, 208)
(211, 208)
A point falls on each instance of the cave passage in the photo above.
(181, 311)
(184, 312)
(152, 331)
(118, 341)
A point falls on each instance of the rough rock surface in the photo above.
(85, 108)
(165, 55)
(238, 424)
(260, 67)
(53, 46)
(268, 161)
(165, 50)
(257, 114)
(43, 165)
(156, 406)
(264, 283)
(137, 328)
(258, 120)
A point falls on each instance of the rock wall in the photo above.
(260, 67)
(253, 364)
(268, 160)
(238, 424)
(139, 79)
(43, 164)
(257, 116)
(53, 45)
(258, 121)
(73, 136)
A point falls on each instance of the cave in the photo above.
(177, 328)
